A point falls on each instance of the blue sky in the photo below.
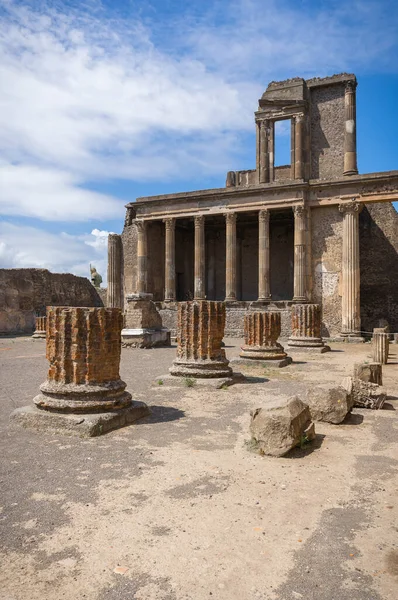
(103, 102)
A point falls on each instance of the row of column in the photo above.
(264, 293)
(351, 323)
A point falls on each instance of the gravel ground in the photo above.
(175, 507)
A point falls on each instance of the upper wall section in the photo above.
(322, 114)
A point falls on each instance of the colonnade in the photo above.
(231, 250)
(350, 273)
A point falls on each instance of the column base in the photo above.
(201, 368)
(264, 299)
(300, 299)
(82, 425)
(39, 335)
(263, 352)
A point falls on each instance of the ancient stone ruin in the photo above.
(143, 326)
(380, 346)
(262, 330)
(306, 328)
(40, 330)
(200, 332)
(83, 394)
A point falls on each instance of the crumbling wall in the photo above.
(24, 293)
(378, 239)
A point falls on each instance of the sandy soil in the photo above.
(175, 507)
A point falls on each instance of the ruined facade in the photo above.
(311, 231)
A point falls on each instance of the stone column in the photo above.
(300, 235)
(351, 308)
(380, 346)
(298, 147)
(40, 330)
(170, 263)
(271, 151)
(142, 257)
(83, 349)
(200, 330)
(199, 275)
(211, 265)
(115, 269)
(350, 136)
(263, 256)
(230, 270)
(262, 330)
(264, 157)
(306, 328)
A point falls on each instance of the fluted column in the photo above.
(211, 265)
(350, 137)
(199, 269)
(262, 330)
(306, 328)
(263, 256)
(230, 271)
(115, 253)
(300, 235)
(170, 266)
(41, 324)
(264, 158)
(142, 257)
(351, 308)
(298, 146)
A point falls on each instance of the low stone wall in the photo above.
(235, 313)
(25, 293)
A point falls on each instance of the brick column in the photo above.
(351, 308)
(306, 328)
(350, 137)
(300, 235)
(200, 330)
(170, 267)
(298, 147)
(263, 256)
(199, 274)
(262, 330)
(263, 149)
(83, 349)
(142, 257)
(115, 253)
(230, 271)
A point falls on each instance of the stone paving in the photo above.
(175, 507)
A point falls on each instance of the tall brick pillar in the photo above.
(115, 271)
(200, 330)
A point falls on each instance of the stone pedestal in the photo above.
(40, 330)
(83, 350)
(143, 324)
(200, 331)
(115, 252)
(380, 347)
(306, 328)
(262, 330)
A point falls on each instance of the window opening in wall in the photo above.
(283, 132)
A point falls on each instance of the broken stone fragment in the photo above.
(368, 372)
(328, 403)
(280, 426)
(364, 394)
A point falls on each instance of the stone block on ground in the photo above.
(143, 324)
(364, 394)
(280, 426)
(328, 403)
(368, 372)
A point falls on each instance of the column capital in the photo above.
(351, 206)
(199, 220)
(230, 218)
(350, 86)
(263, 215)
(299, 210)
(170, 222)
(299, 118)
(141, 225)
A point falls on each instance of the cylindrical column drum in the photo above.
(40, 327)
(306, 326)
(262, 330)
(83, 349)
(200, 330)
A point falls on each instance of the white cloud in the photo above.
(30, 247)
(90, 97)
